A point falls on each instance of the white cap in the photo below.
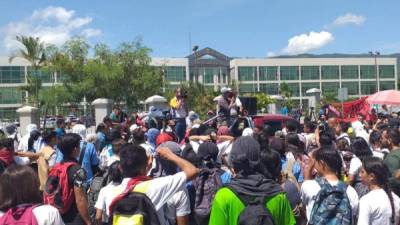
(247, 132)
(225, 89)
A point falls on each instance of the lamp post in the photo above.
(375, 55)
(195, 48)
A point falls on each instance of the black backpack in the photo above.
(255, 211)
(99, 180)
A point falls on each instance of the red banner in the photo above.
(352, 109)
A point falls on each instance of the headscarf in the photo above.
(151, 136)
(223, 130)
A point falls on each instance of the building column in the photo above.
(27, 115)
(102, 108)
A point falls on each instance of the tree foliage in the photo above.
(263, 101)
(287, 94)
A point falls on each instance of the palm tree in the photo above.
(33, 51)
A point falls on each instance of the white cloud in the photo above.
(53, 25)
(347, 19)
(271, 54)
(304, 43)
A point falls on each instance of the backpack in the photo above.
(133, 208)
(332, 206)
(99, 180)
(287, 174)
(206, 184)
(19, 216)
(255, 211)
(57, 191)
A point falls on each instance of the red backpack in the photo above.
(21, 215)
(57, 191)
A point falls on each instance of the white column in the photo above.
(27, 115)
(102, 108)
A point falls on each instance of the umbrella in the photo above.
(388, 97)
(154, 99)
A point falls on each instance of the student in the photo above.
(380, 205)
(392, 160)
(19, 191)
(6, 153)
(101, 132)
(296, 157)
(328, 164)
(134, 166)
(376, 145)
(107, 195)
(360, 150)
(77, 213)
(250, 181)
(47, 158)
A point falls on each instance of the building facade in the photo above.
(249, 75)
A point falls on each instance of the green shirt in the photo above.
(227, 207)
(392, 161)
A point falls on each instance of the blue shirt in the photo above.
(89, 159)
(101, 141)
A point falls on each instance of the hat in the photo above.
(207, 151)
(225, 89)
(79, 129)
(163, 137)
(247, 132)
(31, 127)
(173, 146)
(223, 130)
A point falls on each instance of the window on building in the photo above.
(330, 72)
(45, 75)
(349, 72)
(10, 95)
(248, 88)
(268, 72)
(330, 87)
(12, 74)
(386, 85)
(368, 87)
(289, 72)
(310, 72)
(307, 86)
(294, 89)
(247, 73)
(352, 87)
(269, 89)
(386, 71)
(367, 72)
(8, 113)
(209, 75)
(175, 73)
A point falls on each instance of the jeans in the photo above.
(180, 128)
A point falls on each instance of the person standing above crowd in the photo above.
(226, 102)
(179, 112)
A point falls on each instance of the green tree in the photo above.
(33, 51)
(263, 101)
(329, 97)
(287, 94)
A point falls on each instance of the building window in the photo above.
(307, 86)
(8, 113)
(330, 87)
(349, 72)
(12, 74)
(268, 72)
(45, 75)
(10, 95)
(269, 89)
(175, 73)
(330, 72)
(386, 71)
(209, 75)
(248, 88)
(294, 89)
(247, 73)
(310, 72)
(367, 72)
(352, 87)
(386, 85)
(368, 87)
(289, 73)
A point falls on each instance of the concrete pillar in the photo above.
(275, 108)
(102, 108)
(27, 115)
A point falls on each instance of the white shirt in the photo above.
(375, 208)
(45, 215)
(355, 166)
(310, 189)
(159, 190)
(105, 198)
(178, 205)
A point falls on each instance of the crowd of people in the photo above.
(132, 171)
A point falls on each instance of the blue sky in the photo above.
(240, 28)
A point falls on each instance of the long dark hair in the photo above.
(360, 148)
(18, 185)
(376, 166)
(331, 158)
(115, 173)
